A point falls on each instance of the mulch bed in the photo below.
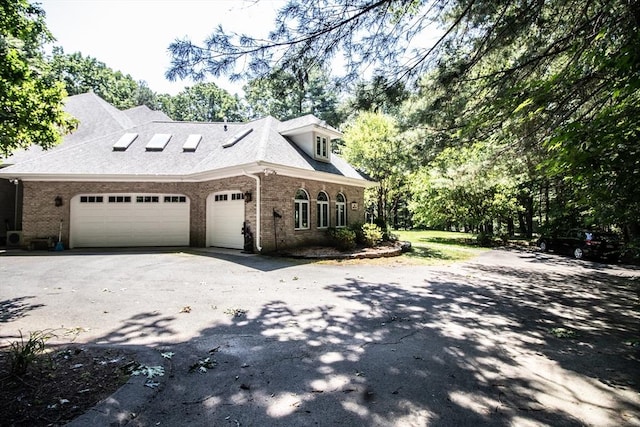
(60, 385)
(386, 249)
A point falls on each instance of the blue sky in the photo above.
(132, 36)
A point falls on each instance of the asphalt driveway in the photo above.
(510, 338)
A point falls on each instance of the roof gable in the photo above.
(96, 116)
(307, 123)
(143, 114)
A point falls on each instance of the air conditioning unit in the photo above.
(14, 239)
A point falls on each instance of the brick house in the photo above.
(136, 178)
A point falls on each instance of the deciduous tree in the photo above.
(204, 102)
(31, 109)
(81, 74)
(372, 145)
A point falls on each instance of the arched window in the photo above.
(341, 211)
(301, 210)
(323, 210)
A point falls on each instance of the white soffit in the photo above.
(158, 142)
(191, 144)
(124, 142)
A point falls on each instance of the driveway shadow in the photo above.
(14, 308)
(254, 261)
(443, 350)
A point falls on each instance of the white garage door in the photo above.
(125, 220)
(225, 218)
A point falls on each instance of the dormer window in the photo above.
(322, 147)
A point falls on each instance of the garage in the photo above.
(128, 220)
(225, 219)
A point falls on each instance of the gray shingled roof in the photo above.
(97, 118)
(96, 157)
(302, 122)
(89, 152)
(144, 114)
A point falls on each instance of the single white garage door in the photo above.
(225, 218)
(126, 220)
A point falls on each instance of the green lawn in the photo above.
(434, 247)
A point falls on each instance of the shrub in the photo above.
(388, 236)
(22, 354)
(631, 252)
(381, 223)
(372, 234)
(504, 237)
(485, 239)
(343, 238)
(356, 227)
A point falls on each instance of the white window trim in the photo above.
(323, 212)
(339, 205)
(298, 211)
(321, 147)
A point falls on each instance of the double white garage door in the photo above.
(128, 220)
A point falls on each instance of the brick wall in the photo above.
(279, 194)
(41, 218)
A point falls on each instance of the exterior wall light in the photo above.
(247, 196)
(58, 201)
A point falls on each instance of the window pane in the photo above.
(340, 215)
(301, 195)
(323, 215)
(305, 215)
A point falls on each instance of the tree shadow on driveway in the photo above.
(14, 308)
(446, 349)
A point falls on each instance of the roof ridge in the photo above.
(118, 115)
(264, 137)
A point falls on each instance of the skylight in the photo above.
(124, 142)
(237, 137)
(191, 144)
(158, 142)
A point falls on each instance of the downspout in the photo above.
(15, 215)
(258, 213)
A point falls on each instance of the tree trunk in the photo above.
(525, 219)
